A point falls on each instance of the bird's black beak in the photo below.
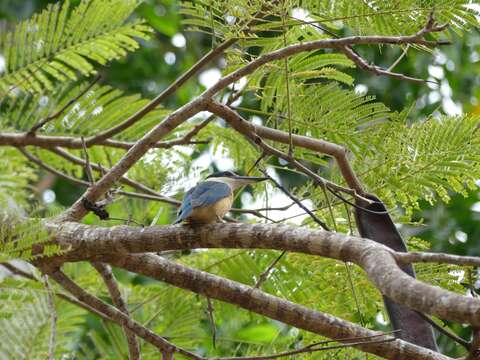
(251, 178)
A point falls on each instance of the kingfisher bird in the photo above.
(210, 200)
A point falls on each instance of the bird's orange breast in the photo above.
(211, 213)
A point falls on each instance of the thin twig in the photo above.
(53, 313)
(84, 183)
(125, 180)
(402, 55)
(106, 273)
(38, 125)
(445, 331)
(296, 200)
(88, 168)
(117, 316)
(50, 169)
(307, 349)
(17, 271)
(211, 318)
(287, 85)
(440, 258)
(348, 267)
(264, 275)
(363, 64)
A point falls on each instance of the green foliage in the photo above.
(426, 160)
(98, 109)
(15, 177)
(303, 69)
(327, 111)
(402, 159)
(21, 239)
(225, 20)
(392, 18)
(62, 42)
(227, 143)
(25, 318)
(22, 330)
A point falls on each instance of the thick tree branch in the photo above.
(339, 43)
(262, 303)
(378, 261)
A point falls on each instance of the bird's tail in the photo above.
(179, 218)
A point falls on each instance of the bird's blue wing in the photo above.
(204, 194)
(186, 207)
(209, 192)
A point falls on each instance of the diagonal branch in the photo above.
(135, 153)
(77, 211)
(84, 183)
(243, 127)
(117, 315)
(192, 71)
(55, 115)
(296, 200)
(124, 180)
(265, 304)
(377, 70)
(212, 54)
(112, 286)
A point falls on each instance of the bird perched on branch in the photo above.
(210, 200)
